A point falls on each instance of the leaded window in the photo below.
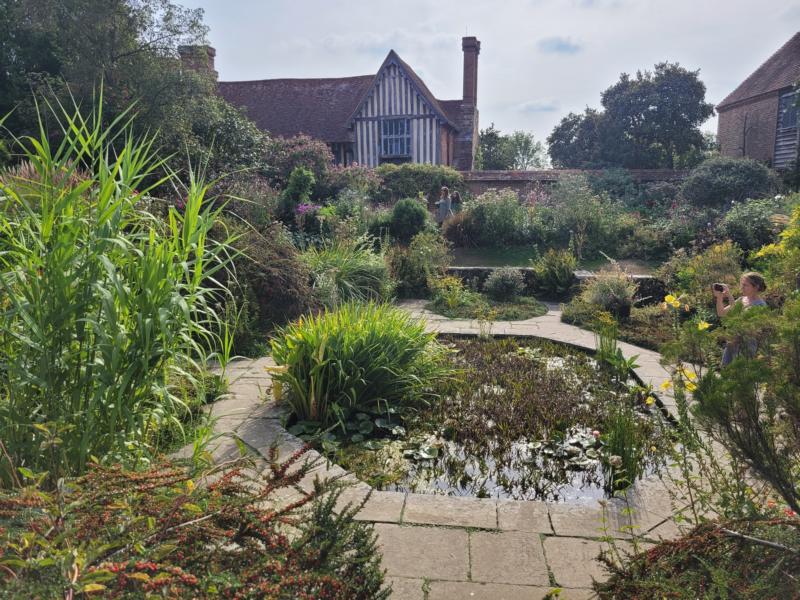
(395, 137)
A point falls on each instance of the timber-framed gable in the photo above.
(390, 116)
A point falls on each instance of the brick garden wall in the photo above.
(524, 182)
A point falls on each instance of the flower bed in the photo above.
(522, 419)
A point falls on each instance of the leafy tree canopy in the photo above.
(66, 49)
(648, 121)
(518, 151)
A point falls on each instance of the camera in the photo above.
(718, 287)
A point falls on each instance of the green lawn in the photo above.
(520, 256)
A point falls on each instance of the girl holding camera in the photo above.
(751, 284)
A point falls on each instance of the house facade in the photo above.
(388, 117)
(759, 119)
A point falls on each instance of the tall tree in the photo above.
(499, 152)
(67, 49)
(650, 120)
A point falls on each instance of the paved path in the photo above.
(439, 547)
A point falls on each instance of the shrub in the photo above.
(648, 326)
(449, 292)
(101, 302)
(694, 275)
(358, 357)
(554, 273)
(749, 224)
(120, 534)
(504, 283)
(409, 217)
(495, 218)
(284, 155)
(593, 222)
(379, 223)
(617, 184)
(358, 178)
(709, 562)
(409, 179)
(427, 256)
(343, 271)
(297, 193)
(721, 180)
(612, 290)
(250, 197)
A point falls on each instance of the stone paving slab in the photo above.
(404, 588)
(523, 515)
(507, 557)
(573, 561)
(381, 507)
(451, 590)
(428, 552)
(449, 510)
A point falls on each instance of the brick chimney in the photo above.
(466, 142)
(199, 58)
(471, 47)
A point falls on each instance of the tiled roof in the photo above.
(287, 107)
(452, 110)
(321, 108)
(781, 70)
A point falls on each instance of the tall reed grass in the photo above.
(102, 302)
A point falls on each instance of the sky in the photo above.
(539, 60)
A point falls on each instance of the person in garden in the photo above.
(752, 285)
(444, 206)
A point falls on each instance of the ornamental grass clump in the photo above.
(102, 303)
(611, 290)
(359, 357)
(345, 271)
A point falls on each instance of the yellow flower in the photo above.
(650, 401)
(666, 384)
(702, 325)
(669, 298)
(691, 386)
(690, 375)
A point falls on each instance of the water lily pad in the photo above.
(356, 438)
(365, 427)
(372, 445)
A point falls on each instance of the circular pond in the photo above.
(519, 418)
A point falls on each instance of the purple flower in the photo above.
(303, 209)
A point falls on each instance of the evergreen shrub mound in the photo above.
(722, 180)
(408, 180)
(360, 357)
(114, 533)
(409, 217)
(504, 284)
